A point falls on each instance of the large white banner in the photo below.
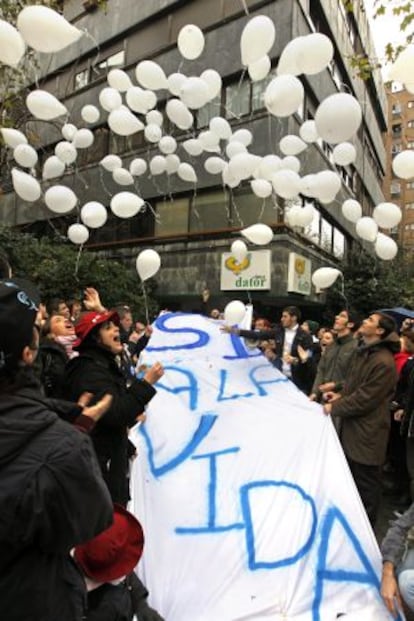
(247, 503)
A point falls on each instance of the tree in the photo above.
(61, 270)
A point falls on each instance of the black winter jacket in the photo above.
(52, 497)
(96, 371)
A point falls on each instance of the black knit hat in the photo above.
(19, 302)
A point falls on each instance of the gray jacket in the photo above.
(393, 545)
(334, 362)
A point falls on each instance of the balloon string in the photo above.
(152, 210)
(236, 211)
(244, 5)
(78, 260)
(262, 210)
(194, 204)
(144, 295)
(101, 177)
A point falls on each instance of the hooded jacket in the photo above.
(52, 497)
(364, 406)
(96, 371)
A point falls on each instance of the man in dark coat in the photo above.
(363, 406)
(52, 495)
(293, 347)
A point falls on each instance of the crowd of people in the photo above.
(71, 387)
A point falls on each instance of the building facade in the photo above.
(191, 227)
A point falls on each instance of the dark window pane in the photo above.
(209, 212)
(172, 217)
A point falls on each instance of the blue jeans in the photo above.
(406, 579)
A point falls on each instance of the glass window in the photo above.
(396, 129)
(409, 105)
(258, 91)
(409, 205)
(312, 232)
(247, 208)
(172, 217)
(326, 235)
(410, 124)
(209, 111)
(81, 79)
(396, 108)
(410, 185)
(338, 244)
(395, 188)
(209, 212)
(237, 100)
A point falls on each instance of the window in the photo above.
(326, 235)
(396, 129)
(237, 100)
(81, 79)
(396, 108)
(102, 68)
(338, 244)
(395, 188)
(209, 212)
(409, 205)
(258, 91)
(172, 217)
(410, 144)
(410, 185)
(209, 111)
(410, 124)
(410, 104)
(312, 232)
(247, 208)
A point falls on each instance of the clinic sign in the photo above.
(252, 273)
(299, 274)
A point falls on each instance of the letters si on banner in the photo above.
(248, 506)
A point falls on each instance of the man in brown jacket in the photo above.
(363, 406)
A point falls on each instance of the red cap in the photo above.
(115, 552)
(89, 321)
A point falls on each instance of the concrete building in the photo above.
(191, 227)
(400, 136)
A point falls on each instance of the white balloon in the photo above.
(121, 176)
(259, 69)
(123, 122)
(192, 146)
(306, 215)
(387, 215)
(179, 114)
(93, 215)
(83, 139)
(244, 136)
(25, 155)
(316, 52)
(344, 154)
(78, 234)
(60, 199)
(173, 161)
(235, 148)
(155, 117)
(257, 39)
(44, 105)
(13, 137)
(175, 82)
(136, 99)
(385, 247)
(138, 167)
(286, 183)
(338, 118)
(234, 312)
(403, 164)
(259, 234)
(150, 75)
(148, 263)
(68, 131)
(46, 30)
(110, 162)
(152, 133)
(157, 165)
(119, 79)
(167, 145)
(268, 166)
(126, 204)
(293, 216)
(367, 228)
(284, 95)
(26, 186)
(214, 82)
(324, 277)
(220, 127)
(66, 152)
(351, 210)
(290, 162)
(187, 173)
(12, 45)
(214, 165)
(261, 187)
(307, 131)
(190, 42)
(327, 184)
(289, 59)
(402, 69)
(110, 99)
(90, 114)
(52, 168)
(228, 178)
(209, 141)
(150, 99)
(239, 250)
(308, 185)
(292, 145)
(194, 93)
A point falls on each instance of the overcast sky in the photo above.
(384, 30)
